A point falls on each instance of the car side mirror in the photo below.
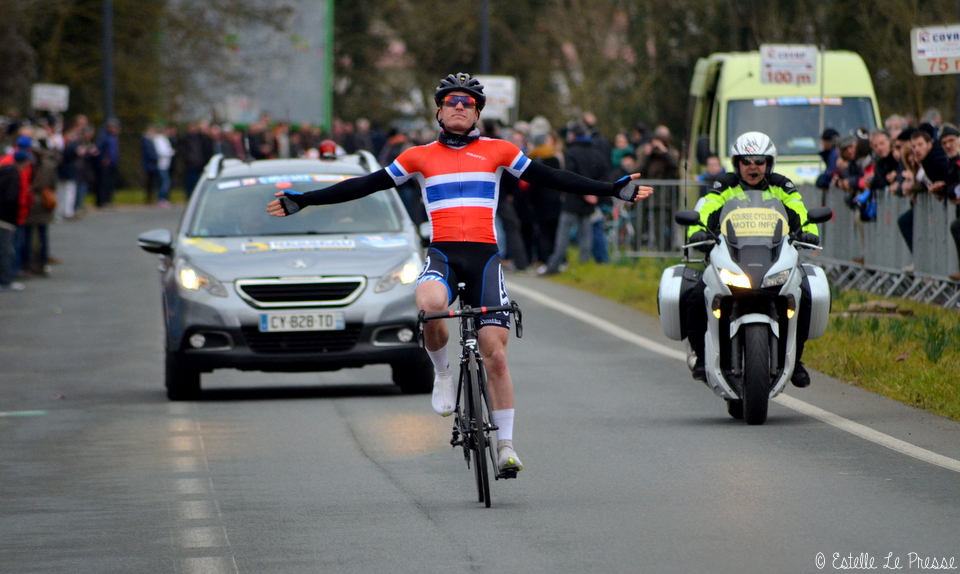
(158, 241)
(424, 230)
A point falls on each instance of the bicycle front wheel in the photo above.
(477, 429)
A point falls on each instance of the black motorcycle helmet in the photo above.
(460, 82)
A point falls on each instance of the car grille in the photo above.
(303, 341)
(279, 293)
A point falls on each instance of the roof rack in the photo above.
(214, 166)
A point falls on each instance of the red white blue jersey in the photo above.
(460, 186)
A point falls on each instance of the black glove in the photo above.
(698, 236)
(810, 238)
(289, 202)
(626, 188)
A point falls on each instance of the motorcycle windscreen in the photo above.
(754, 223)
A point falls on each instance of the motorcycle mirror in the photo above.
(819, 215)
(687, 217)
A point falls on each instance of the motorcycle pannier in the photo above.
(819, 300)
(675, 282)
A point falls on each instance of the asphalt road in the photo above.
(630, 465)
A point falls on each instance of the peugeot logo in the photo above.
(299, 264)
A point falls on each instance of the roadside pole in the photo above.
(326, 106)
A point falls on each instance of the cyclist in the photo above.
(459, 177)
(753, 157)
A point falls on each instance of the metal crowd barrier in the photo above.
(882, 263)
(647, 228)
(870, 256)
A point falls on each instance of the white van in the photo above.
(728, 99)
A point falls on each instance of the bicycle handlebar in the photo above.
(513, 308)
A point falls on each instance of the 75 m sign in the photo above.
(935, 50)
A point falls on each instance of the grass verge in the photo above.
(910, 358)
(134, 196)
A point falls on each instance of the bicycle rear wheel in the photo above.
(477, 430)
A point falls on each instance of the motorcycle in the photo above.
(753, 286)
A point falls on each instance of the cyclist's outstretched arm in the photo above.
(563, 180)
(290, 202)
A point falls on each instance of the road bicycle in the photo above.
(472, 425)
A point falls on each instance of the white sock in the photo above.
(504, 420)
(439, 359)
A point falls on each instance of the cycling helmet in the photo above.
(753, 144)
(460, 82)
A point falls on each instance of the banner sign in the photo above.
(935, 50)
(791, 64)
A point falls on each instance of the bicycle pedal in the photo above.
(508, 473)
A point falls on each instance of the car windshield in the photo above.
(754, 217)
(238, 207)
(794, 123)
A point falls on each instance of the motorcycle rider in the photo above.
(753, 155)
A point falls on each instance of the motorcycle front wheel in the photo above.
(755, 389)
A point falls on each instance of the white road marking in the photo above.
(192, 485)
(183, 443)
(202, 537)
(869, 434)
(187, 435)
(184, 425)
(185, 464)
(179, 408)
(199, 498)
(209, 565)
(22, 413)
(797, 405)
(196, 510)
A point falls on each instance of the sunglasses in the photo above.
(757, 162)
(452, 101)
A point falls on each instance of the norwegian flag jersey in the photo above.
(460, 185)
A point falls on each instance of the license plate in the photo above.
(302, 321)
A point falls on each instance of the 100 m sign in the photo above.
(786, 77)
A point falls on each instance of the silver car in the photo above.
(329, 288)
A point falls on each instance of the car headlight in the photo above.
(403, 274)
(734, 279)
(776, 279)
(194, 279)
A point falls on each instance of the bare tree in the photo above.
(17, 57)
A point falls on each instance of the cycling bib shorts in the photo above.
(477, 266)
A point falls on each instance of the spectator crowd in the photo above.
(906, 158)
(46, 172)
(51, 170)
(535, 225)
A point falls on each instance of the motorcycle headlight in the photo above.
(403, 274)
(192, 278)
(734, 279)
(776, 279)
